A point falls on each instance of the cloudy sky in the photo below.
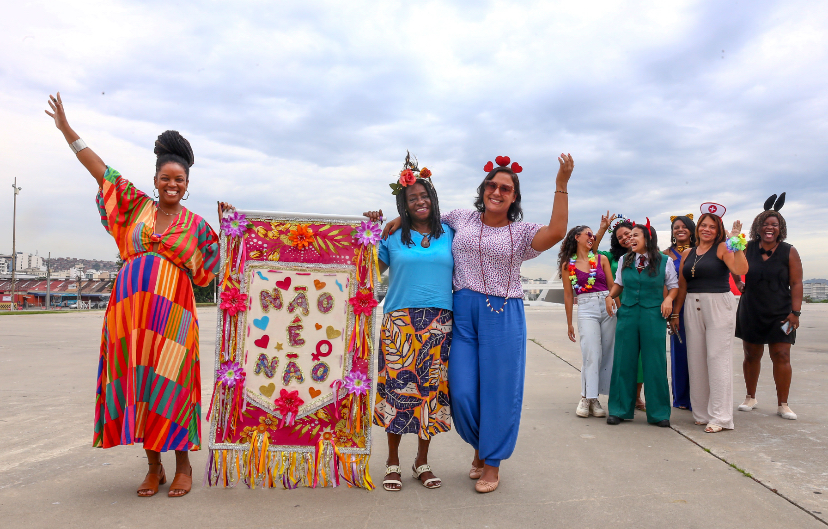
(310, 106)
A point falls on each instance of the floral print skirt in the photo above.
(412, 384)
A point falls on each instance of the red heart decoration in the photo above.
(488, 167)
(502, 161)
(262, 342)
(284, 284)
(314, 392)
(516, 167)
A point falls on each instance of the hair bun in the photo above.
(171, 142)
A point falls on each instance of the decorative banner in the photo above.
(294, 350)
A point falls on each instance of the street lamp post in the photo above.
(14, 239)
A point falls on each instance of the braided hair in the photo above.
(173, 147)
(405, 218)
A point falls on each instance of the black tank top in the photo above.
(711, 273)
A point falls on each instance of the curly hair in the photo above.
(569, 246)
(405, 217)
(515, 213)
(173, 147)
(760, 219)
(615, 245)
(654, 255)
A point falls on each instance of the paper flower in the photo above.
(363, 302)
(302, 237)
(233, 301)
(230, 374)
(425, 172)
(407, 177)
(368, 233)
(235, 224)
(357, 383)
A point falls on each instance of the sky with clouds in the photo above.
(311, 106)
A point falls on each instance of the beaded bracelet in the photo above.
(736, 243)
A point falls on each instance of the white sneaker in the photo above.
(583, 408)
(748, 404)
(785, 412)
(596, 409)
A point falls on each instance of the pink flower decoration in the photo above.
(230, 374)
(363, 302)
(357, 383)
(235, 224)
(407, 177)
(233, 301)
(288, 402)
(368, 233)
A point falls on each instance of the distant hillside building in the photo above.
(816, 289)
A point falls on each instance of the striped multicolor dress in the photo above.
(149, 380)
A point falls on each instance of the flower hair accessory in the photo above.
(503, 161)
(410, 175)
(619, 219)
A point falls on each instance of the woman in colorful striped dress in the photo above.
(149, 380)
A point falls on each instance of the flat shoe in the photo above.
(183, 482)
(432, 483)
(392, 469)
(475, 472)
(748, 404)
(484, 486)
(786, 413)
(151, 483)
(713, 428)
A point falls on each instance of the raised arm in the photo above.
(376, 216)
(736, 261)
(606, 221)
(550, 235)
(87, 156)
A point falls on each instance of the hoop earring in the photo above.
(155, 192)
(188, 195)
(674, 240)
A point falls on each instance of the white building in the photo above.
(816, 289)
(28, 261)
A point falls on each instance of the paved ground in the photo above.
(566, 471)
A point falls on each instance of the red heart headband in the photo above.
(503, 161)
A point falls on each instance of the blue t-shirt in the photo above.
(418, 277)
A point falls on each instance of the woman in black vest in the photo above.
(771, 301)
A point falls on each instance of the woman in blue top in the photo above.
(412, 383)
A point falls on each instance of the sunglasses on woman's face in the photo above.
(590, 235)
(505, 189)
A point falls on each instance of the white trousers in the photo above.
(710, 322)
(597, 336)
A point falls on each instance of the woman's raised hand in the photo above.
(565, 170)
(222, 207)
(57, 112)
(737, 228)
(374, 216)
(606, 220)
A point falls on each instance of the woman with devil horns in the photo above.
(769, 308)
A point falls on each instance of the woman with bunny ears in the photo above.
(704, 289)
(769, 307)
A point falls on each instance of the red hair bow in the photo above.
(503, 161)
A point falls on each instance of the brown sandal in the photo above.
(181, 482)
(152, 481)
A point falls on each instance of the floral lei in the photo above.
(573, 277)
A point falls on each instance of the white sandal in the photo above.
(429, 483)
(713, 428)
(392, 469)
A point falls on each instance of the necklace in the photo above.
(696, 259)
(681, 247)
(164, 212)
(573, 275)
(426, 242)
(483, 272)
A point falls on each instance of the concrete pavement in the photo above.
(566, 471)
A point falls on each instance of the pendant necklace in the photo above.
(483, 272)
(426, 241)
(696, 259)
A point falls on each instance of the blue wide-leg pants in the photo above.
(486, 372)
(678, 360)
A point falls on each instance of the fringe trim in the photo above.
(255, 465)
